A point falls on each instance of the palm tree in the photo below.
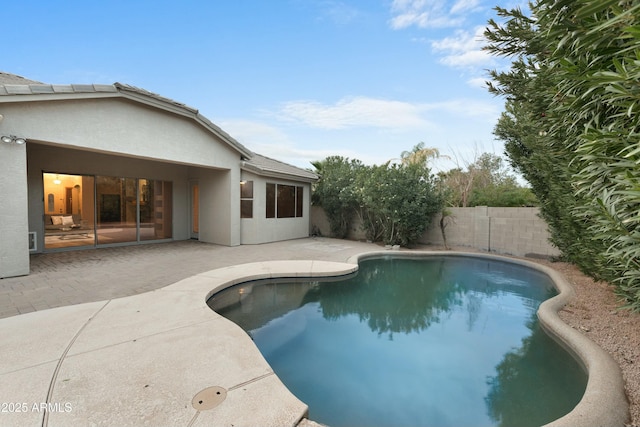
(420, 155)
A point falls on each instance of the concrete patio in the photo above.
(102, 359)
(74, 277)
(132, 341)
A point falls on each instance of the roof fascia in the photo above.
(182, 110)
(36, 97)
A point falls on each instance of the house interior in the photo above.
(85, 210)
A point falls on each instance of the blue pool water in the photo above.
(446, 341)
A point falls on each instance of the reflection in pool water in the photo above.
(446, 341)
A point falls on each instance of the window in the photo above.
(299, 198)
(271, 200)
(246, 199)
(284, 201)
(132, 209)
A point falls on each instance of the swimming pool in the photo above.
(437, 341)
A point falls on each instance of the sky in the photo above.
(295, 80)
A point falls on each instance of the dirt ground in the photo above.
(596, 313)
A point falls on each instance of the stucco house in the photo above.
(87, 166)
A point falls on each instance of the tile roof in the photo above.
(41, 88)
(267, 166)
(133, 89)
(13, 79)
(11, 84)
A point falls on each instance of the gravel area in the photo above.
(596, 313)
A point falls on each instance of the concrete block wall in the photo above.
(320, 225)
(509, 231)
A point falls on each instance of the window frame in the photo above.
(246, 199)
(284, 201)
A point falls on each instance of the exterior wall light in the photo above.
(12, 138)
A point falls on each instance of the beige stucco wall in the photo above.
(14, 246)
(118, 125)
(114, 137)
(219, 206)
(148, 138)
(260, 229)
(108, 134)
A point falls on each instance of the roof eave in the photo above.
(213, 128)
(7, 99)
(249, 167)
(71, 92)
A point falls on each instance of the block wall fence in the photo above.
(510, 231)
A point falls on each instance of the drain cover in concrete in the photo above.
(209, 398)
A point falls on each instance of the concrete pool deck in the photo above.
(143, 348)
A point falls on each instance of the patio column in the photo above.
(14, 222)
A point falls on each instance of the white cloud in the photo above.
(372, 130)
(463, 49)
(300, 157)
(469, 108)
(471, 58)
(478, 82)
(422, 13)
(355, 112)
(338, 12)
(247, 132)
(462, 6)
(274, 142)
(430, 13)
(388, 115)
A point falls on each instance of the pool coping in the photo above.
(143, 359)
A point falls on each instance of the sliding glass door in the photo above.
(104, 210)
(117, 210)
(69, 210)
(155, 209)
(131, 209)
